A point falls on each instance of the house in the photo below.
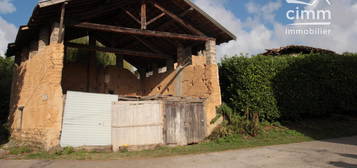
(170, 44)
(295, 50)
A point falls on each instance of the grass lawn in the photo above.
(308, 130)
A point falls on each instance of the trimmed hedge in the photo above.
(290, 88)
(6, 65)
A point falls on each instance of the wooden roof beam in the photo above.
(132, 16)
(124, 30)
(46, 3)
(178, 19)
(155, 18)
(118, 51)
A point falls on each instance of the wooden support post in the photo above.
(91, 83)
(119, 61)
(143, 15)
(61, 26)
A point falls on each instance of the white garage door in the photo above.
(87, 119)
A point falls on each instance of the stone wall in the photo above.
(37, 100)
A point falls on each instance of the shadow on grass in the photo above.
(327, 129)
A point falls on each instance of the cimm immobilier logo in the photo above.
(307, 19)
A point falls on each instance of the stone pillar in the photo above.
(211, 52)
(43, 37)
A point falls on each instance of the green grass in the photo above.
(20, 150)
(307, 130)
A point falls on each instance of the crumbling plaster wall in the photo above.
(199, 81)
(37, 88)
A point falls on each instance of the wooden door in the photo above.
(184, 123)
(137, 123)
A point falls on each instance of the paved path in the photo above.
(338, 153)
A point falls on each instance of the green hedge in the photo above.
(6, 65)
(290, 87)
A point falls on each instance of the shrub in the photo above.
(236, 124)
(6, 65)
(290, 88)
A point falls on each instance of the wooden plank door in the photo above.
(184, 123)
(137, 123)
(194, 122)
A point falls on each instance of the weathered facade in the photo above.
(173, 35)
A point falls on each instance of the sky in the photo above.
(258, 24)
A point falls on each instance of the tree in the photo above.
(6, 65)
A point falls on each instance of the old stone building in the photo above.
(170, 44)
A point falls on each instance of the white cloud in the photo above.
(7, 34)
(253, 36)
(6, 6)
(344, 27)
(7, 30)
(266, 12)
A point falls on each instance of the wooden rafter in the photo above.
(101, 10)
(178, 19)
(146, 44)
(118, 51)
(162, 26)
(124, 30)
(181, 15)
(132, 16)
(43, 4)
(155, 18)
